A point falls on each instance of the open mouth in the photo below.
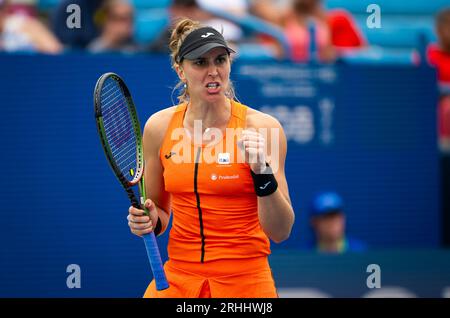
(213, 87)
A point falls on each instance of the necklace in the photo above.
(207, 128)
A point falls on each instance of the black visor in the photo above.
(201, 41)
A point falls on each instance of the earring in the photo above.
(185, 86)
(229, 93)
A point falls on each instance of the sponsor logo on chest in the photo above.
(215, 177)
(223, 158)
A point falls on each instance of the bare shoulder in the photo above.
(160, 118)
(156, 126)
(257, 119)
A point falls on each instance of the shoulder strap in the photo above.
(175, 122)
(239, 114)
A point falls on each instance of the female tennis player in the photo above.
(207, 161)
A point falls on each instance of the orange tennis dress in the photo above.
(217, 247)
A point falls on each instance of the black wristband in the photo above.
(158, 227)
(264, 183)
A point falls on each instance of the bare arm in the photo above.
(275, 211)
(154, 181)
(158, 200)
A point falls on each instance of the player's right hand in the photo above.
(140, 223)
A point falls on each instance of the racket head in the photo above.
(119, 129)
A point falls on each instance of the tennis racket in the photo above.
(120, 135)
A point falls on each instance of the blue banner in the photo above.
(366, 132)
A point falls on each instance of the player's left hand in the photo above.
(253, 145)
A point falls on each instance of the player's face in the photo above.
(208, 77)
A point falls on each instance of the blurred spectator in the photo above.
(77, 38)
(444, 124)
(3, 9)
(334, 30)
(24, 7)
(180, 9)
(328, 221)
(24, 33)
(236, 7)
(304, 15)
(230, 31)
(117, 29)
(269, 10)
(439, 56)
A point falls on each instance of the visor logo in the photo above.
(207, 34)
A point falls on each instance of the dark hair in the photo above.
(179, 33)
(305, 6)
(443, 17)
(185, 3)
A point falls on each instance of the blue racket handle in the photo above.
(155, 261)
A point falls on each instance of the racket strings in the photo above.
(119, 129)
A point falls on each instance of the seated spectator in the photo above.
(328, 222)
(190, 9)
(305, 14)
(438, 55)
(444, 124)
(77, 38)
(334, 30)
(24, 33)
(236, 7)
(117, 29)
(23, 7)
(230, 31)
(3, 9)
(178, 9)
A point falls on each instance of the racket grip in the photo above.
(155, 261)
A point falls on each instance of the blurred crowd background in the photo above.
(301, 31)
(297, 30)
